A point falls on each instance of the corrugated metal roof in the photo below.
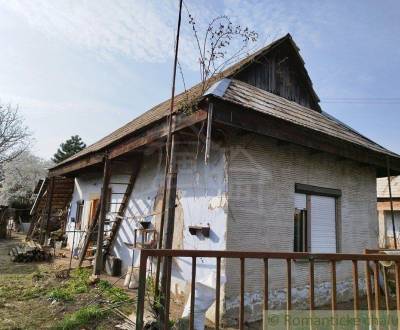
(162, 110)
(260, 100)
(382, 187)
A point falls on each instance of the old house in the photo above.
(385, 213)
(281, 175)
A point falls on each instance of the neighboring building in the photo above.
(283, 175)
(384, 211)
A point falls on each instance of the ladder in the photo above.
(114, 221)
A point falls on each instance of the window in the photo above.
(315, 219)
(78, 216)
(389, 227)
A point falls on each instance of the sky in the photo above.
(88, 67)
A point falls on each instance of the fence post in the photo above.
(141, 290)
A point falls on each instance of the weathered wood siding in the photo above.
(281, 72)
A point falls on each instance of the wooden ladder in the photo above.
(91, 236)
(124, 204)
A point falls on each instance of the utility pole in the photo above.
(169, 195)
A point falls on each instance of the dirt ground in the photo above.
(26, 290)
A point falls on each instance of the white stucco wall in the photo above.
(201, 200)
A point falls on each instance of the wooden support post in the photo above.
(368, 288)
(391, 201)
(141, 291)
(169, 214)
(355, 289)
(289, 284)
(98, 266)
(386, 289)
(377, 289)
(192, 294)
(311, 292)
(397, 274)
(46, 219)
(333, 298)
(209, 128)
(242, 284)
(266, 294)
(217, 292)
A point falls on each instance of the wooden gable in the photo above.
(281, 71)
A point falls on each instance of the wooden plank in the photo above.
(128, 144)
(314, 190)
(377, 289)
(266, 293)
(289, 284)
(242, 284)
(386, 289)
(311, 281)
(217, 292)
(237, 117)
(356, 300)
(368, 288)
(192, 294)
(333, 280)
(141, 292)
(271, 255)
(397, 275)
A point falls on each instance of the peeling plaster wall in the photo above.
(262, 177)
(201, 201)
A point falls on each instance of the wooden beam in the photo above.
(133, 142)
(77, 164)
(314, 190)
(260, 123)
(98, 266)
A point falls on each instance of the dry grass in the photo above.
(31, 297)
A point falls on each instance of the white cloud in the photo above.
(138, 29)
(144, 30)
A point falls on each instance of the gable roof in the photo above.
(251, 97)
(161, 110)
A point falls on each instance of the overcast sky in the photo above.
(88, 67)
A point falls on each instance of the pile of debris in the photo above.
(29, 252)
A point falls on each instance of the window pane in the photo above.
(388, 220)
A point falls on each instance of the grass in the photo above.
(60, 294)
(82, 317)
(112, 293)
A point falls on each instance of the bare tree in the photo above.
(14, 135)
(221, 44)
